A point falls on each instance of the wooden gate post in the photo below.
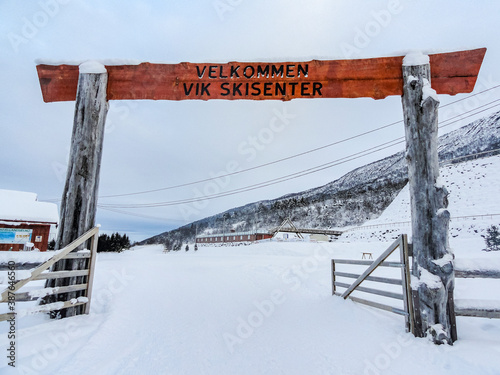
(79, 199)
(433, 275)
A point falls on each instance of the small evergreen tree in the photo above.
(187, 247)
(492, 239)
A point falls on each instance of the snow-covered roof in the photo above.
(23, 206)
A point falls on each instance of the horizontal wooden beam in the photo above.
(368, 263)
(452, 73)
(480, 274)
(20, 266)
(27, 296)
(308, 231)
(478, 313)
(61, 274)
(371, 291)
(378, 279)
(376, 305)
(77, 256)
(43, 309)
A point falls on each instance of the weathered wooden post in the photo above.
(79, 199)
(432, 275)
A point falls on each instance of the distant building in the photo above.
(232, 237)
(319, 237)
(24, 222)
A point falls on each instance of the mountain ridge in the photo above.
(358, 196)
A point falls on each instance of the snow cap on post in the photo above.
(93, 67)
(415, 58)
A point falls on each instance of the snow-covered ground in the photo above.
(266, 308)
(260, 309)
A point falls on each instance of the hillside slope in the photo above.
(472, 187)
(355, 198)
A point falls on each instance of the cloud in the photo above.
(149, 145)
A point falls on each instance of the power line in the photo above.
(292, 156)
(288, 177)
(268, 182)
(316, 149)
(461, 116)
(236, 191)
(136, 214)
(256, 167)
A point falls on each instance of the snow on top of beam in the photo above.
(92, 67)
(415, 58)
(230, 56)
(24, 206)
(108, 62)
(477, 264)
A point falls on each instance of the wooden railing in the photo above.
(12, 296)
(404, 282)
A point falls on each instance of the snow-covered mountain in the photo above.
(355, 198)
(472, 186)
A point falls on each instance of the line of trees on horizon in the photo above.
(114, 243)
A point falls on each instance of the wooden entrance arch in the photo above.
(377, 78)
(93, 84)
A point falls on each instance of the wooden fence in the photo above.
(471, 308)
(407, 311)
(11, 295)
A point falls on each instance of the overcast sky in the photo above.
(153, 145)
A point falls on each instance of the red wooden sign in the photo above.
(452, 73)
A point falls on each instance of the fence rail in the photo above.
(11, 294)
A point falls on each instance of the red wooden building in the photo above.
(24, 221)
(232, 237)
